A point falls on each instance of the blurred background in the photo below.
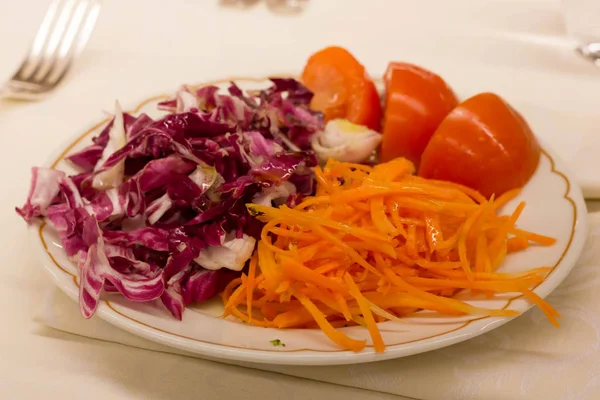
(144, 45)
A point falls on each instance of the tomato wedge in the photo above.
(342, 88)
(483, 144)
(416, 102)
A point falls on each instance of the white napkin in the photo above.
(526, 359)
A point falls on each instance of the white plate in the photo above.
(555, 207)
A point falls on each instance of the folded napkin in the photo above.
(525, 359)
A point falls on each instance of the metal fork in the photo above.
(64, 32)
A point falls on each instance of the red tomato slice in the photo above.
(417, 101)
(483, 144)
(341, 88)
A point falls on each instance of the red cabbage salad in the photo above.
(157, 209)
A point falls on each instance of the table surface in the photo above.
(141, 46)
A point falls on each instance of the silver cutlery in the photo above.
(64, 32)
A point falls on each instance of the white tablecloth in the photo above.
(144, 46)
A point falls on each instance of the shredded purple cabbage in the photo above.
(158, 208)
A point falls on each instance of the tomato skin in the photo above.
(342, 88)
(416, 102)
(365, 108)
(483, 144)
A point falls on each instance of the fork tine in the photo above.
(73, 41)
(88, 27)
(84, 35)
(65, 30)
(56, 34)
(40, 39)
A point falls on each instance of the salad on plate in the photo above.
(309, 204)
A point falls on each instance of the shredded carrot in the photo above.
(365, 309)
(516, 244)
(336, 336)
(377, 244)
(250, 285)
(534, 237)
